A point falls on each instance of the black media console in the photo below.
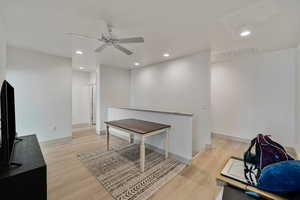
(28, 181)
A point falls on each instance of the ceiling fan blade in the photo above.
(99, 49)
(131, 40)
(82, 36)
(123, 49)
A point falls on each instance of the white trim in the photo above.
(229, 137)
(247, 141)
(59, 140)
(102, 132)
(82, 129)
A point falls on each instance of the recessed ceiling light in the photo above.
(166, 55)
(136, 64)
(81, 68)
(245, 33)
(79, 52)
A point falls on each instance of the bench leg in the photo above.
(142, 154)
(167, 144)
(131, 138)
(107, 138)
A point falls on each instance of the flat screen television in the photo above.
(8, 123)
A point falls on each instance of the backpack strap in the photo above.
(249, 170)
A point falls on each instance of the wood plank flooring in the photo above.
(68, 179)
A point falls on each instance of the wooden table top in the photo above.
(138, 126)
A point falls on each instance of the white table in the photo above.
(140, 129)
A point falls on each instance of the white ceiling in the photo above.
(175, 26)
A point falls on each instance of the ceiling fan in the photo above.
(110, 40)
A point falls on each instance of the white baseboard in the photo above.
(59, 140)
(82, 127)
(102, 132)
(229, 137)
(195, 155)
(78, 125)
(244, 140)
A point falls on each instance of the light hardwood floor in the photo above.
(68, 179)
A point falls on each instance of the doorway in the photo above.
(83, 101)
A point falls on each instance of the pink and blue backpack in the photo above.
(266, 152)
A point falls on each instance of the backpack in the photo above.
(266, 152)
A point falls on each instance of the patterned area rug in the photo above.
(119, 171)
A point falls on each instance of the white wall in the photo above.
(2, 55)
(181, 85)
(43, 85)
(114, 90)
(2, 51)
(81, 97)
(253, 94)
(297, 122)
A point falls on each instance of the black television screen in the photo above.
(8, 123)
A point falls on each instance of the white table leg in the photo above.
(167, 144)
(107, 137)
(131, 138)
(142, 154)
